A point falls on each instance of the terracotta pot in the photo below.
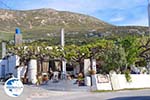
(25, 80)
(45, 78)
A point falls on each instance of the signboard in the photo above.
(102, 79)
(13, 87)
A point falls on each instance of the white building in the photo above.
(8, 65)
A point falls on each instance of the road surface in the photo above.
(38, 93)
(119, 95)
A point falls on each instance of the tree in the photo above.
(131, 47)
(114, 59)
(145, 53)
(77, 54)
(26, 53)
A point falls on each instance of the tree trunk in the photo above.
(38, 67)
(91, 63)
(26, 74)
(81, 66)
(41, 66)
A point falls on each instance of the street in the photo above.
(38, 93)
(120, 95)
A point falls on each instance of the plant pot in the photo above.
(45, 78)
(24, 80)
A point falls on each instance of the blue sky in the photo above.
(117, 12)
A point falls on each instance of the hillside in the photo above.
(46, 23)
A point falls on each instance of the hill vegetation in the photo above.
(46, 24)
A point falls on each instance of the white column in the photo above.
(64, 67)
(87, 66)
(18, 73)
(3, 49)
(32, 72)
(94, 82)
(94, 65)
(62, 38)
(63, 61)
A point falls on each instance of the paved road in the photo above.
(29, 93)
(38, 93)
(120, 95)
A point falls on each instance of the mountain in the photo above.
(46, 23)
(42, 22)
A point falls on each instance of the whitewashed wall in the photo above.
(138, 81)
(118, 81)
(101, 82)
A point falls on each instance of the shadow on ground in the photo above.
(64, 85)
(132, 98)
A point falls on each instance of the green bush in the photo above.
(128, 76)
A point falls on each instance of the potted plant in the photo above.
(39, 79)
(80, 79)
(92, 72)
(45, 78)
(24, 80)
